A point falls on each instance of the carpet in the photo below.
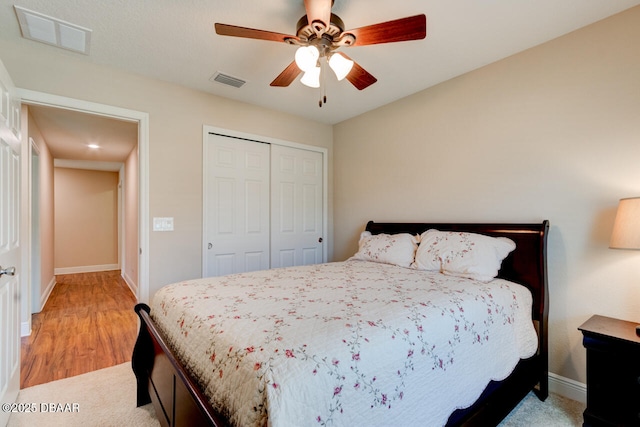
(555, 411)
(106, 398)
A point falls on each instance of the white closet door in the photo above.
(237, 197)
(296, 206)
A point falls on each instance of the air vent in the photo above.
(227, 80)
(53, 31)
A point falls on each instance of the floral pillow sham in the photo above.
(470, 255)
(396, 249)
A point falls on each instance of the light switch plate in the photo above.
(163, 224)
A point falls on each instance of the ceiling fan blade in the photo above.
(399, 30)
(287, 76)
(358, 76)
(250, 33)
(318, 10)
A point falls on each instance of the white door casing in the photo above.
(296, 207)
(9, 243)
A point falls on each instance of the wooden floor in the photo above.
(87, 324)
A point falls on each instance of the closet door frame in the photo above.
(206, 130)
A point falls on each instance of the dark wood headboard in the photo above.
(526, 265)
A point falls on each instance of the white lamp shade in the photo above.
(626, 228)
(311, 77)
(340, 65)
(307, 57)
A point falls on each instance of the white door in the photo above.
(237, 206)
(9, 244)
(296, 207)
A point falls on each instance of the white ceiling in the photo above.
(69, 133)
(175, 41)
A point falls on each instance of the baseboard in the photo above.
(47, 293)
(25, 329)
(131, 283)
(568, 388)
(86, 269)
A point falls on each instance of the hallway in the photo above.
(87, 324)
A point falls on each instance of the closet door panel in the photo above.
(296, 206)
(237, 211)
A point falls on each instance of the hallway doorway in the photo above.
(136, 247)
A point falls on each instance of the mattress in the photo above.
(346, 343)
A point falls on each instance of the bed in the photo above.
(291, 368)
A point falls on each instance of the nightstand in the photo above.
(613, 372)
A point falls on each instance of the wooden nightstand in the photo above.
(613, 372)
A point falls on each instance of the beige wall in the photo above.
(47, 277)
(177, 116)
(86, 218)
(551, 133)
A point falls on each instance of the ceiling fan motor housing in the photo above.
(330, 38)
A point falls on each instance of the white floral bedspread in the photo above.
(352, 343)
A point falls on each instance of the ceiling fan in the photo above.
(320, 34)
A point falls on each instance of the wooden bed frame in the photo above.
(178, 401)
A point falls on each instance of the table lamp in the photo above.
(626, 228)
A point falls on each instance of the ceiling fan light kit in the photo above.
(311, 77)
(320, 33)
(340, 65)
(307, 57)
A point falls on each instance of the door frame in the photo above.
(142, 118)
(33, 234)
(206, 129)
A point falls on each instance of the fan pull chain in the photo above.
(323, 87)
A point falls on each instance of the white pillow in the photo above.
(397, 249)
(470, 255)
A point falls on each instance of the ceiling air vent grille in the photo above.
(227, 80)
(53, 31)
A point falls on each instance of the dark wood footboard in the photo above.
(161, 379)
